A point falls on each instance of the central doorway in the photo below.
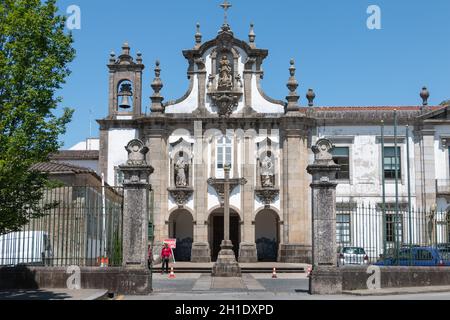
(216, 232)
(181, 227)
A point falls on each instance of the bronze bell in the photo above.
(125, 104)
(125, 93)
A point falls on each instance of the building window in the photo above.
(390, 163)
(343, 223)
(224, 154)
(394, 221)
(341, 156)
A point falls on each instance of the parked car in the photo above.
(352, 256)
(418, 257)
(25, 248)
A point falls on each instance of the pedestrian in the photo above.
(166, 254)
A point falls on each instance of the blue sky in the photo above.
(336, 54)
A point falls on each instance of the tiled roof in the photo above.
(76, 155)
(56, 167)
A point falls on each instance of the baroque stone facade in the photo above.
(226, 118)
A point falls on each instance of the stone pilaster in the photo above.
(325, 278)
(425, 168)
(247, 247)
(136, 211)
(200, 248)
(296, 239)
(158, 159)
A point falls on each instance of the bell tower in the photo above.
(125, 85)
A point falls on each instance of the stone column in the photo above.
(326, 277)
(136, 211)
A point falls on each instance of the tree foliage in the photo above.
(35, 52)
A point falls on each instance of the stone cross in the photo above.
(226, 208)
(226, 264)
(226, 5)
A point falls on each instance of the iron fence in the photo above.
(83, 227)
(389, 233)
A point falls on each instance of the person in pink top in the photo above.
(166, 253)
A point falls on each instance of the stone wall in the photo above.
(116, 280)
(355, 278)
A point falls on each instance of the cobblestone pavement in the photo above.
(198, 283)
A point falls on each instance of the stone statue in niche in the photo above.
(267, 172)
(225, 76)
(181, 172)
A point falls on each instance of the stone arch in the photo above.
(125, 90)
(181, 227)
(216, 231)
(267, 234)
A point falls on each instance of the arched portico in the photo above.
(216, 230)
(181, 227)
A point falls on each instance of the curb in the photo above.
(382, 292)
(98, 296)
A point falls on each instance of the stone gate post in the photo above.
(326, 277)
(135, 210)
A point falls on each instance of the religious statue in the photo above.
(225, 76)
(267, 172)
(180, 173)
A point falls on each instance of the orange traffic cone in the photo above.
(274, 273)
(172, 274)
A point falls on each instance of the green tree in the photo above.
(35, 52)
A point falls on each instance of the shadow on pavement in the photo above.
(34, 294)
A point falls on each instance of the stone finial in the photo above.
(252, 35)
(425, 94)
(136, 153)
(157, 85)
(126, 49)
(310, 96)
(112, 57)
(322, 150)
(198, 36)
(324, 168)
(292, 85)
(139, 58)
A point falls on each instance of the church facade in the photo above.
(225, 118)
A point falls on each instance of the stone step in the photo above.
(243, 270)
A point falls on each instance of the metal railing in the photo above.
(83, 227)
(384, 234)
